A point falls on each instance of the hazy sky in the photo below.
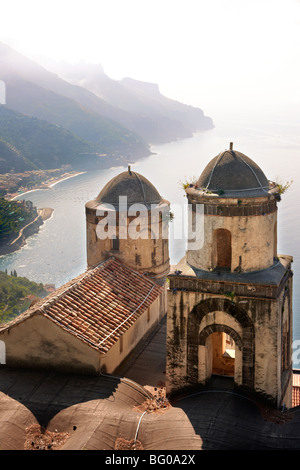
(209, 53)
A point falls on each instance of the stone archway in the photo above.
(196, 337)
(208, 330)
(211, 352)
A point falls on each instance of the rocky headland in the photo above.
(31, 228)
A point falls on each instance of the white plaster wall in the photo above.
(37, 342)
(116, 355)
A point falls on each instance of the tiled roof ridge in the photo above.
(97, 310)
(71, 285)
(132, 313)
(100, 345)
(142, 275)
(38, 306)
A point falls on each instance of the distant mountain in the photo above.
(32, 90)
(94, 114)
(11, 158)
(28, 143)
(137, 105)
(107, 135)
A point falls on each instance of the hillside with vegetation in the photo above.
(16, 295)
(36, 92)
(13, 216)
(27, 143)
(11, 158)
(104, 134)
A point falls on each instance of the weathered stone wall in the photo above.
(255, 322)
(286, 343)
(253, 242)
(251, 222)
(143, 241)
(187, 363)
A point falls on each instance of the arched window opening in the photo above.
(222, 251)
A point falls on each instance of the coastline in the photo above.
(64, 178)
(26, 231)
(45, 213)
(47, 185)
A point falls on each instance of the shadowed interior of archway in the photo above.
(194, 339)
(223, 353)
(220, 343)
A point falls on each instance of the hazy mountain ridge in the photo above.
(28, 143)
(156, 118)
(88, 109)
(32, 90)
(107, 136)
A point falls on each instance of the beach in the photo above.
(64, 177)
(45, 185)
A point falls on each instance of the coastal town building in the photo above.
(230, 298)
(88, 325)
(92, 323)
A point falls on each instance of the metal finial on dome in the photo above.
(231, 146)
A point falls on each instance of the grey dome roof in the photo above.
(235, 174)
(134, 186)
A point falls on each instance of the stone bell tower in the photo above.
(230, 301)
(129, 220)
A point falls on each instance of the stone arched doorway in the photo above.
(214, 358)
(197, 370)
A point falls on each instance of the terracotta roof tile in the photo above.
(296, 389)
(296, 378)
(99, 305)
(296, 396)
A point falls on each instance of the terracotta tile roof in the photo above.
(296, 378)
(99, 305)
(296, 390)
(296, 397)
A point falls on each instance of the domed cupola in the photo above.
(135, 187)
(233, 174)
(128, 220)
(239, 229)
